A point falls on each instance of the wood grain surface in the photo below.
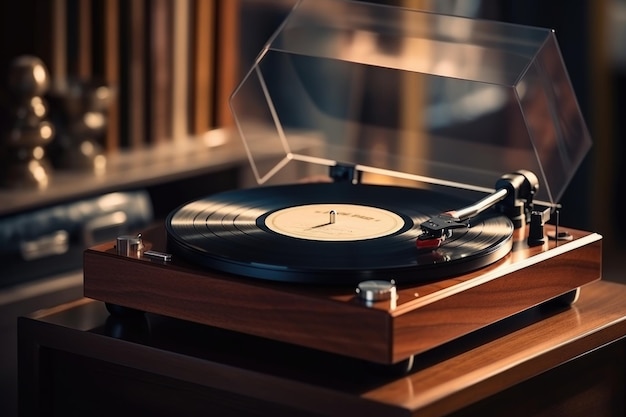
(333, 319)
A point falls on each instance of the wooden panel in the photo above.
(203, 68)
(180, 70)
(227, 61)
(58, 62)
(134, 72)
(159, 74)
(424, 316)
(84, 51)
(111, 70)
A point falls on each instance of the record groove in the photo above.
(230, 232)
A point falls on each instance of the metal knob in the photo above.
(376, 290)
(129, 245)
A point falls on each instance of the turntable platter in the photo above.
(331, 233)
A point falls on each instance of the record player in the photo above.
(443, 146)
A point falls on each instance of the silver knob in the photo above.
(129, 245)
(376, 290)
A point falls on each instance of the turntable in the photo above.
(430, 211)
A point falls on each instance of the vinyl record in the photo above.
(331, 233)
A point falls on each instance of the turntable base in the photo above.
(332, 319)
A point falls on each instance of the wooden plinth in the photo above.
(333, 319)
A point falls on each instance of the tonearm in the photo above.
(513, 197)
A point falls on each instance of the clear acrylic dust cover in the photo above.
(409, 94)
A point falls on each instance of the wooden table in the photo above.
(77, 360)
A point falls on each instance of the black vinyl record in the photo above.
(331, 233)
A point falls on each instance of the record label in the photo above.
(334, 222)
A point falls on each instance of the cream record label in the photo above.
(334, 222)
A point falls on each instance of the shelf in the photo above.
(215, 151)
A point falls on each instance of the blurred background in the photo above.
(136, 92)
